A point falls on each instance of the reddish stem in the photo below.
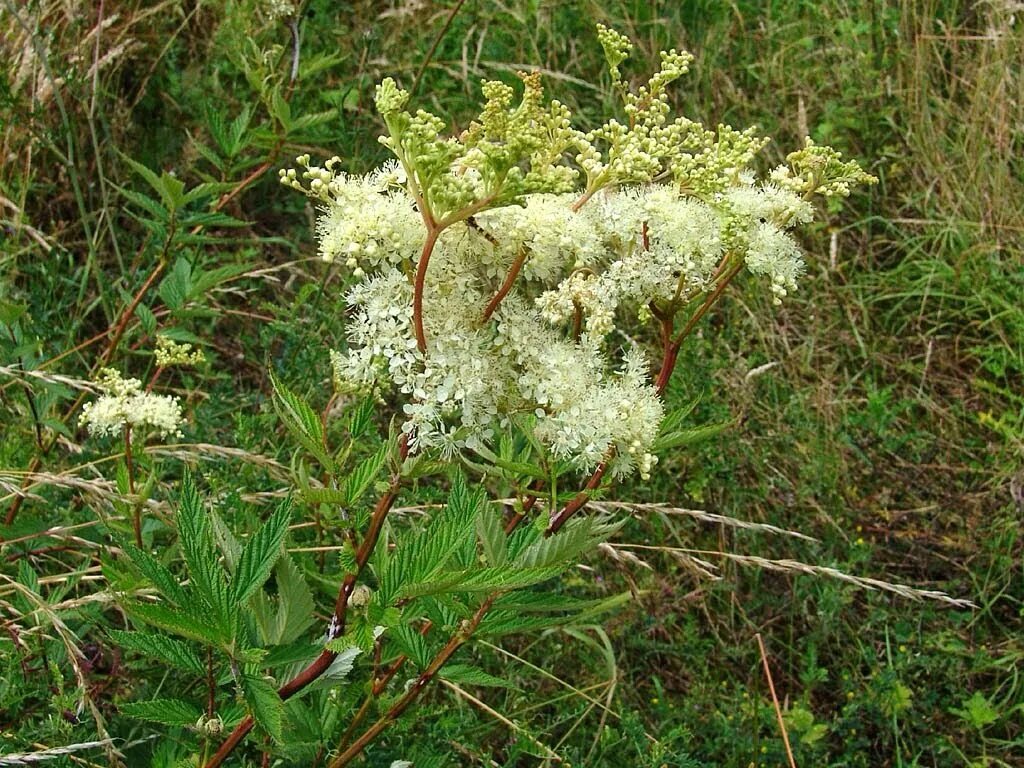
(417, 295)
(582, 199)
(457, 641)
(506, 286)
(129, 311)
(578, 501)
(668, 364)
(708, 303)
(320, 665)
(337, 626)
(517, 518)
(577, 321)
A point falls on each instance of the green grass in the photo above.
(889, 425)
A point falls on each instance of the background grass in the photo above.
(880, 411)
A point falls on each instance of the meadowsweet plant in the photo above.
(491, 269)
(496, 279)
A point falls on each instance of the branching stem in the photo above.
(321, 663)
(671, 347)
(709, 302)
(456, 641)
(506, 286)
(417, 294)
(578, 502)
(582, 199)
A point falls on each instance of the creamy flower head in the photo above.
(279, 9)
(125, 404)
(488, 277)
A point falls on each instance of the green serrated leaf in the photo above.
(551, 602)
(208, 189)
(672, 421)
(420, 557)
(208, 220)
(148, 204)
(683, 437)
(347, 558)
(226, 541)
(151, 178)
(580, 535)
(260, 553)
(511, 467)
(146, 318)
(179, 622)
(162, 648)
(280, 108)
(209, 155)
(175, 288)
(265, 705)
(325, 496)
(284, 619)
(499, 623)
(204, 281)
(195, 535)
(237, 132)
(361, 633)
(302, 421)
(172, 191)
(511, 613)
(157, 573)
(463, 674)
(492, 537)
(173, 712)
(420, 466)
(28, 577)
(339, 669)
(482, 580)
(362, 476)
(412, 644)
(344, 643)
(361, 417)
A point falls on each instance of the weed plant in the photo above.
(878, 411)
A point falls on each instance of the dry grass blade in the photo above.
(51, 753)
(75, 657)
(188, 451)
(605, 708)
(50, 378)
(795, 566)
(518, 729)
(697, 514)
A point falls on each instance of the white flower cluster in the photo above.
(367, 220)
(584, 415)
(766, 212)
(543, 353)
(125, 403)
(555, 238)
(279, 9)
